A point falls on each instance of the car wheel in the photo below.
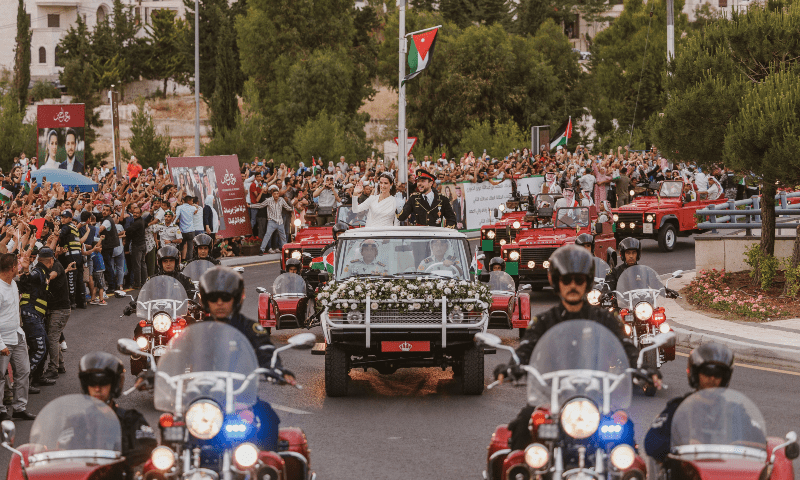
(337, 371)
(667, 237)
(472, 381)
(649, 362)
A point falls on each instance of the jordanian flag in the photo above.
(5, 195)
(420, 52)
(562, 135)
(324, 262)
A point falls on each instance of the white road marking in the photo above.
(290, 409)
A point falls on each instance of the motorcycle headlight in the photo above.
(580, 418)
(163, 458)
(513, 255)
(593, 297)
(204, 419)
(649, 219)
(622, 457)
(162, 322)
(143, 343)
(245, 455)
(355, 317)
(516, 225)
(456, 316)
(643, 311)
(490, 234)
(664, 328)
(536, 456)
(615, 217)
(296, 254)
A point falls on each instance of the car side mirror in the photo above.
(496, 214)
(483, 277)
(487, 339)
(303, 340)
(598, 228)
(9, 431)
(677, 274)
(128, 346)
(261, 290)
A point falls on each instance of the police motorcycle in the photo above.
(162, 308)
(639, 289)
(595, 296)
(291, 304)
(718, 433)
(579, 379)
(74, 437)
(194, 270)
(214, 426)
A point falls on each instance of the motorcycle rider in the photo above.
(709, 366)
(497, 264)
(630, 250)
(293, 265)
(202, 246)
(167, 258)
(571, 274)
(101, 377)
(586, 240)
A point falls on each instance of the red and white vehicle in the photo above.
(510, 308)
(289, 305)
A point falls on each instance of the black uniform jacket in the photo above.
(258, 337)
(430, 215)
(138, 438)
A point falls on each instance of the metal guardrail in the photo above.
(725, 216)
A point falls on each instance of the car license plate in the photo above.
(406, 346)
(147, 329)
(647, 228)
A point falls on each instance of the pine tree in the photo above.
(22, 57)
(146, 143)
(224, 104)
(166, 58)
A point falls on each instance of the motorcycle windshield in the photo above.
(289, 284)
(196, 269)
(76, 422)
(198, 363)
(576, 349)
(639, 283)
(601, 269)
(162, 294)
(718, 420)
(501, 282)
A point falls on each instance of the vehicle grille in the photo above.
(538, 255)
(500, 234)
(631, 217)
(314, 252)
(387, 317)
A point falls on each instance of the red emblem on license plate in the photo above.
(405, 346)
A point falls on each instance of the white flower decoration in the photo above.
(374, 305)
(447, 291)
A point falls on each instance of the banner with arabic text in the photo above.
(473, 203)
(60, 138)
(216, 182)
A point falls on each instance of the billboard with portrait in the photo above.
(216, 182)
(61, 136)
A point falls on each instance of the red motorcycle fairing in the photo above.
(514, 458)
(274, 461)
(67, 470)
(522, 312)
(499, 443)
(266, 311)
(783, 468)
(297, 443)
(730, 469)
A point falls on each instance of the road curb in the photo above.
(746, 352)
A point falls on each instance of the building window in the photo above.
(42, 55)
(57, 58)
(101, 14)
(53, 20)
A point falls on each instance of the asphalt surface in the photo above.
(414, 423)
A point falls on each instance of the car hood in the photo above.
(314, 233)
(550, 236)
(507, 219)
(649, 203)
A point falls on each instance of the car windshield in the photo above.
(501, 282)
(572, 217)
(162, 293)
(720, 418)
(289, 284)
(671, 189)
(198, 362)
(577, 348)
(639, 283)
(601, 269)
(346, 214)
(397, 256)
(194, 270)
(544, 200)
(76, 422)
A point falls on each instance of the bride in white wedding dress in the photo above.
(381, 208)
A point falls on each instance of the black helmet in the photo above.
(340, 227)
(294, 262)
(585, 239)
(167, 252)
(203, 240)
(571, 260)
(46, 252)
(712, 358)
(101, 368)
(630, 243)
(222, 280)
(497, 261)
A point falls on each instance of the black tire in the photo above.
(649, 362)
(667, 237)
(337, 371)
(537, 288)
(472, 376)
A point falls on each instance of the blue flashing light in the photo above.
(236, 429)
(611, 430)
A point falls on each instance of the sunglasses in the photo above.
(569, 279)
(214, 297)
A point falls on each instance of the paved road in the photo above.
(413, 424)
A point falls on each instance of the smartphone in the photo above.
(44, 179)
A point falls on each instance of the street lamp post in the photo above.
(197, 78)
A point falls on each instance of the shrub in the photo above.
(711, 289)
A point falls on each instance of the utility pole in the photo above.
(402, 133)
(113, 98)
(196, 78)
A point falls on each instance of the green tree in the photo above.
(167, 56)
(146, 143)
(224, 103)
(325, 137)
(76, 44)
(556, 48)
(247, 139)
(498, 139)
(15, 136)
(22, 57)
(528, 16)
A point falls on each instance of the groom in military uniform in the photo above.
(428, 207)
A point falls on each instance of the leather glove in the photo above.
(146, 380)
(512, 371)
(128, 311)
(672, 293)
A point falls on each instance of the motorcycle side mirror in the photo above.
(261, 290)
(677, 274)
(611, 257)
(496, 213)
(239, 270)
(128, 346)
(483, 277)
(9, 431)
(303, 340)
(526, 286)
(792, 449)
(487, 339)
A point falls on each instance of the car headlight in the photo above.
(536, 456)
(622, 457)
(643, 311)
(513, 255)
(546, 264)
(245, 455)
(516, 224)
(162, 458)
(632, 192)
(204, 419)
(593, 297)
(615, 217)
(162, 322)
(580, 418)
(621, 224)
(297, 222)
(531, 264)
(296, 254)
(502, 242)
(501, 207)
(456, 316)
(649, 219)
(490, 234)
(355, 317)
(143, 343)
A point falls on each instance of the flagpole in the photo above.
(424, 30)
(402, 133)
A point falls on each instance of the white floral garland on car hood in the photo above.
(405, 294)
